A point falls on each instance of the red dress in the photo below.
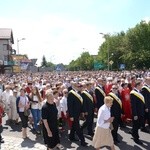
(125, 97)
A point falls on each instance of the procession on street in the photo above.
(93, 103)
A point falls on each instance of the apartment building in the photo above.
(6, 41)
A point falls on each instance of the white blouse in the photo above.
(24, 101)
(35, 104)
(103, 115)
(63, 104)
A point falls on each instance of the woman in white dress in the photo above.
(13, 109)
(5, 98)
(102, 136)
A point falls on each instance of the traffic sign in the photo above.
(98, 65)
(122, 66)
(111, 62)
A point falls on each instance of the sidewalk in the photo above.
(16, 143)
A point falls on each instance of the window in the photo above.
(4, 47)
(5, 58)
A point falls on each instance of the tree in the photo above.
(73, 65)
(86, 61)
(26, 55)
(131, 48)
(44, 62)
(138, 39)
(51, 65)
(112, 49)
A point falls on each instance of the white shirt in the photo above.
(63, 104)
(35, 104)
(5, 96)
(24, 101)
(57, 102)
(103, 114)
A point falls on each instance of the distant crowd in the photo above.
(55, 100)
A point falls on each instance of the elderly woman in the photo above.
(13, 109)
(102, 136)
(5, 98)
(50, 126)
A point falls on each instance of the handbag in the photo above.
(26, 112)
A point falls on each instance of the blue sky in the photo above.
(62, 29)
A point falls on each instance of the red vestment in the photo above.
(107, 88)
(126, 105)
(69, 121)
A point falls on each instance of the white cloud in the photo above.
(59, 39)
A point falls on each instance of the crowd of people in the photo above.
(57, 98)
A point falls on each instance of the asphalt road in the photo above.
(13, 140)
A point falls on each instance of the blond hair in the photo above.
(48, 93)
(108, 99)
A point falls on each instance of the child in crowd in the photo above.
(64, 107)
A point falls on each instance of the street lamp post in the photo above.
(108, 58)
(18, 40)
(104, 35)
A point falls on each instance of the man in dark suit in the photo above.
(138, 108)
(100, 93)
(88, 105)
(116, 111)
(75, 108)
(146, 93)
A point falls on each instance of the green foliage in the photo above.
(26, 56)
(84, 62)
(72, 66)
(131, 48)
(138, 44)
(44, 62)
(50, 64)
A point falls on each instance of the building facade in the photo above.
(6, 41)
